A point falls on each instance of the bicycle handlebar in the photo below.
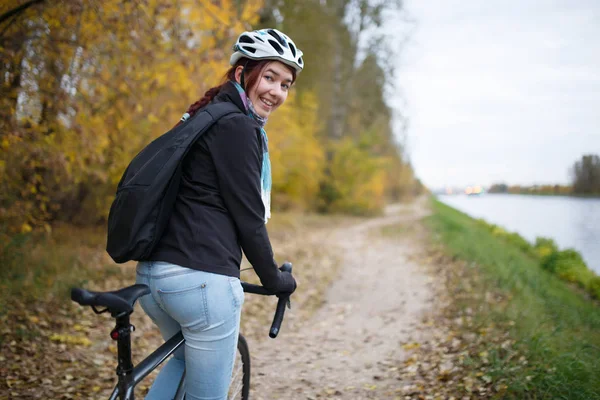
(281, 303)
(121, 302)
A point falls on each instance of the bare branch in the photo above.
(18, 10)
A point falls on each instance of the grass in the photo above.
(43, 267)
(556, 327)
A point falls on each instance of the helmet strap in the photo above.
(242, 75)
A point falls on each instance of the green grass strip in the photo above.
(556, 326)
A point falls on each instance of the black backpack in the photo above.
(149, 186)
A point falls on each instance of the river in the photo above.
(571, 221)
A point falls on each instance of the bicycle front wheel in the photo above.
(239, 388)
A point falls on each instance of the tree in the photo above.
(86, 83)
(586, 175)
(348, 68)
(498, 188)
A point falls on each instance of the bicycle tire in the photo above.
(239, 388)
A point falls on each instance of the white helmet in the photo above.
(267, 44)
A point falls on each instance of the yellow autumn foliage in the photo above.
(86, 85)
(297, 156)
(357, 179)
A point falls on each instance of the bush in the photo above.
(567, 265)
(355, 182)
(544, 247)
(594, 287)
(520, 242)
(498, 231)
(511, 237)
(482, 222)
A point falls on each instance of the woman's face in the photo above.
(271, 89)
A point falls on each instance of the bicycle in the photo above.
(120, 305)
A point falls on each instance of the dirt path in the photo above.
(349, 348)
(352, 345)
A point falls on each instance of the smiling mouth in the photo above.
(266, 103)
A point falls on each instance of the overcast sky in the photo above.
(501, 90)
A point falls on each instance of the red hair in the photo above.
(252, 72)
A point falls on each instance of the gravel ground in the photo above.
(352, 346)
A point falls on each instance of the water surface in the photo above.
(571, 221)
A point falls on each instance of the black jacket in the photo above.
(219, 209)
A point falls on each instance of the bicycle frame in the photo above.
(120, 304)
(128, 375)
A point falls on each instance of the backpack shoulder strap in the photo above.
(219, 110)
(186, 134)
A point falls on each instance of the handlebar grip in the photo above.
(281, 303)
(278, 319)
(255, 289)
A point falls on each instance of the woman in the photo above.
(222, 207)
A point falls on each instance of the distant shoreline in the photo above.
(591, 196)
(584, 196)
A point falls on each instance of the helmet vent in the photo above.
(293, 49)
(277, 37)
(249, 49)
(246, 39)
(276, 46)
(300, 61)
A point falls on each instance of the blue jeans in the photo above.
(206, 307)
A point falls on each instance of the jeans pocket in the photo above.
(188, 306)
(237, 291)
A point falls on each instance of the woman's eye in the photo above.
(269, 78)
(285, 86)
